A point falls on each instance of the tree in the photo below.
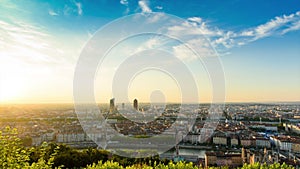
(265, 166)
(12, 154)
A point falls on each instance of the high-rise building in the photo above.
(135, 104)
(112, 105)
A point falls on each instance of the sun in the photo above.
(10, 87)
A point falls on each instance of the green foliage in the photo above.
(179, 165)
(106, 165)
(116, 165)
(71, 158)
(46, 157)
(12, 154)
(266, 166)
(222, 167)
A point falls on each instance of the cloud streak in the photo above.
(126, 4)
(29, 44)
(278, 25)
(52, 13)
(79, 8)
(73, 8)
(226, 39)
(195, 31)
(144, 6)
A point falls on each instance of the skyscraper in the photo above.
(112, 105)
(135, 104)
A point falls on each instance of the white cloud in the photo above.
(193, 49)
(277, 25)
(124, 2)
(227, 39)
(193, 29)
(67, 10)
(144, 6)
(183, 53)
(156, 17)
(295, 26)
(194, 26)
(273, 25)
(23, 42)
(247, 33)
(195, 19)
(29, 44)
(202, 38)
(52, 13)
(156, 42)
(79, 8)
(74, 8)
(224, 39)
(159, 7)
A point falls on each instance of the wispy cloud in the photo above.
(194, 26)
(144, 6)
(73, 8)
(225, 39)
(159, 7)
(52, 13)
(79, 8)
(199, 35)
(294, 26)
(24, 42)
(126, 4)
(30, 44)
(193, 49)
(278, 25)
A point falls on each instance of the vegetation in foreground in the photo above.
(14, 155)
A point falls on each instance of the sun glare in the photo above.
(11, 87)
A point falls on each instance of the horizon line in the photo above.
(229, 102)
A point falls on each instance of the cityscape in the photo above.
(150, 84)
(246, 132)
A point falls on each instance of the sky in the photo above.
(257, 42)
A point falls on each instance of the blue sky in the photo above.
(258, 42)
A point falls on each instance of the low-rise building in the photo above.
(223, 159)
(220, 138)
(287, 143)
(262, 142)
(296, 146)
(192, 138)
(234, 140)
(70, 137)
(36, 140)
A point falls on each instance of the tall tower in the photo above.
(243, 155)
(135, 104)
(112, 105)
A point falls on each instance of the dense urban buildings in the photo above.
(246, 133)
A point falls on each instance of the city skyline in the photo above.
(258, 43)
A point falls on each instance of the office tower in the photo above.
(112, 105)
(135, 104)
